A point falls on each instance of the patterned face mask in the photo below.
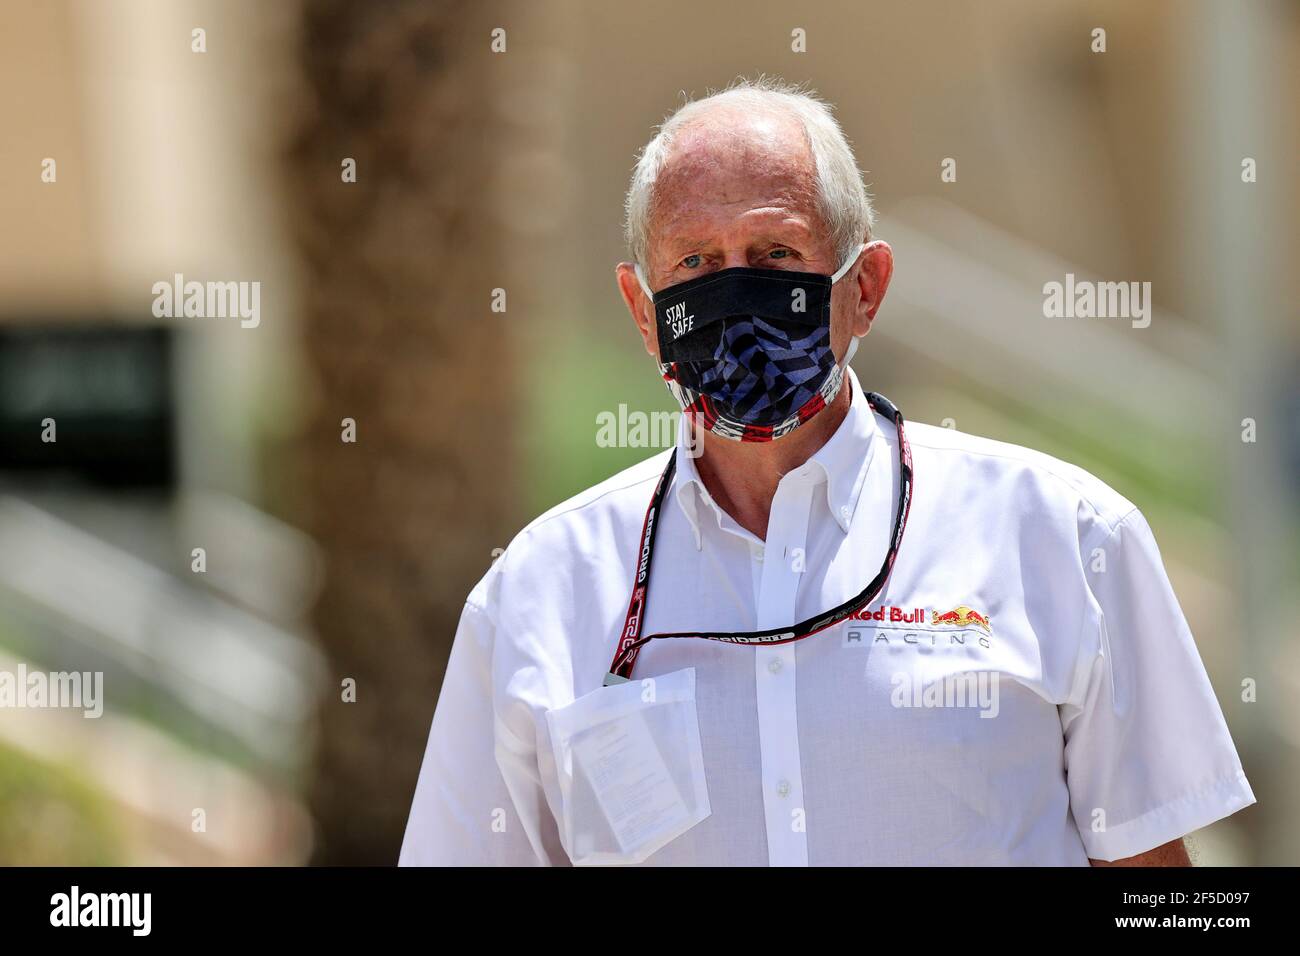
(747, 352)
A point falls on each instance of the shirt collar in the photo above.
(842, 463)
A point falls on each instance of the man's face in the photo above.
(740, 190)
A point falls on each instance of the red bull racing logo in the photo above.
(919, 625)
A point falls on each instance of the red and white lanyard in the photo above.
(630, 641)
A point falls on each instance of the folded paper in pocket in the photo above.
(630, 767)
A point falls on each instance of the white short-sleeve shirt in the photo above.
(1025, 691)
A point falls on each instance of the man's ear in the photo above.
(874, 273)
(639, 304)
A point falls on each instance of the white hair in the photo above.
(842, 196)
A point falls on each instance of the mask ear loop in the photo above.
(848, 263)
(640, 277)
(839, 274)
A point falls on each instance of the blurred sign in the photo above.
(94, 401)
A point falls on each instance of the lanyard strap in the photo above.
(630, 641)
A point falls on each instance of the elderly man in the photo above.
(815, 634)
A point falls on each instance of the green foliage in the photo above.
(572, 382)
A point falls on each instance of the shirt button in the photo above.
(774, 665)
(758, 554)
(783, 788)
(844, 513)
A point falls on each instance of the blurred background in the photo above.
(326, 564)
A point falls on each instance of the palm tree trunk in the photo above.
(399, 269)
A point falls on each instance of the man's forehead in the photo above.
(725, 164)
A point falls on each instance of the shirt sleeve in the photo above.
(1148, 755)
(479, 798)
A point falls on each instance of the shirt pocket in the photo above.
(630, 768)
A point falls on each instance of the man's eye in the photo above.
(692, 261)
(778, 253)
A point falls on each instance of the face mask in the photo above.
(747, 352)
